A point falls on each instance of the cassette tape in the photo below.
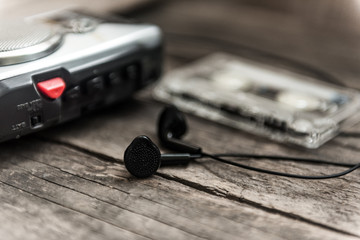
(270, 101)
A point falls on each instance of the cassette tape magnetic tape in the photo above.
(55, 67)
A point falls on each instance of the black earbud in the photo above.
(171, 127)
(142, 158)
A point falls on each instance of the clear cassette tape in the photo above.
(283, 105)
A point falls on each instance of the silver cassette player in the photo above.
(55, 67)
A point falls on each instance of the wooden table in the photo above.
(70, 182)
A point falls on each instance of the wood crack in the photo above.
(96, 182)
(95, 154)
(110, 203)
(75, 175)
(69, 208)
(251, 203)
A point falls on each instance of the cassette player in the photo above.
(55, 67)
(259, 98)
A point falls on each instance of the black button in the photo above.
(132, 72)
(35, 121)
(72, 94)
(115, 79)
(95, 85)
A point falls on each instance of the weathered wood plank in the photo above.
(90, 205)
(157, 208)
(332, 203)
(24, 215)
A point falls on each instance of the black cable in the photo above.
(283, 158)
(335, 175)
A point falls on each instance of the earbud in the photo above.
(142, 157)
(171, 127)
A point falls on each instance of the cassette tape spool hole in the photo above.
(300, 101)
(231, 81)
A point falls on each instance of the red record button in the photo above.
(52, 88)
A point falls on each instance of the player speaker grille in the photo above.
(20, 42)
(17, 36)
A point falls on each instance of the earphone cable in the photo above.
(335, 175)
(283, 158)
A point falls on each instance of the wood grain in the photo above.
(70, 182)
(158, 208)
(25, 215)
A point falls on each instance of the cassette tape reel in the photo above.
(262, 99)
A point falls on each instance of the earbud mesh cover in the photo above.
(142, 158)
